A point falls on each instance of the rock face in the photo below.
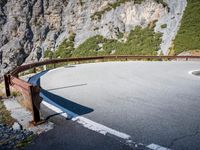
(172, 20)
(29, 27)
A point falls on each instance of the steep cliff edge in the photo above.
(29, 27)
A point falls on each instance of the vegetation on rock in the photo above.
(64, 50)
(97, 15)
(188, 36)
(140, 41)
(163, 26)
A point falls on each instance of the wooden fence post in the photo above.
(7, 84)
(35, 100)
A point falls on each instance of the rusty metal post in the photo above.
(35, 100)
(7, 86)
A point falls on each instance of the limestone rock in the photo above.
(29, 27)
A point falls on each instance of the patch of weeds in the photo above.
(25, 142)
(15, 93)
(5, 116)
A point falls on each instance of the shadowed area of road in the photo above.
(67, 104)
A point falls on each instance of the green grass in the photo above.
(188, 36)
(98, 15)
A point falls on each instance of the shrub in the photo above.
(163, 26)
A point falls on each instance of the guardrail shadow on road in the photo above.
(61, 102)
(66, 103)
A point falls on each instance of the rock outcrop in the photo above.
(29, 27)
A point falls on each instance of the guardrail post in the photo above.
(36, 100)
(7, 86)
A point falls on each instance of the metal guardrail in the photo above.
(31, 92)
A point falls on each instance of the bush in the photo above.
(48, 54)
(163, 26)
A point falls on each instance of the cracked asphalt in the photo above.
(154, 102)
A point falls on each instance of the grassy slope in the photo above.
(188, 37)
(139, 42)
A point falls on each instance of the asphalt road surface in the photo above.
(143, 102)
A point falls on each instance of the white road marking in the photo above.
(87, 123)
(156, 147)
(100, 128)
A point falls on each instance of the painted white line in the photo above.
(100, 128)
(156, 147)
(87, 123)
